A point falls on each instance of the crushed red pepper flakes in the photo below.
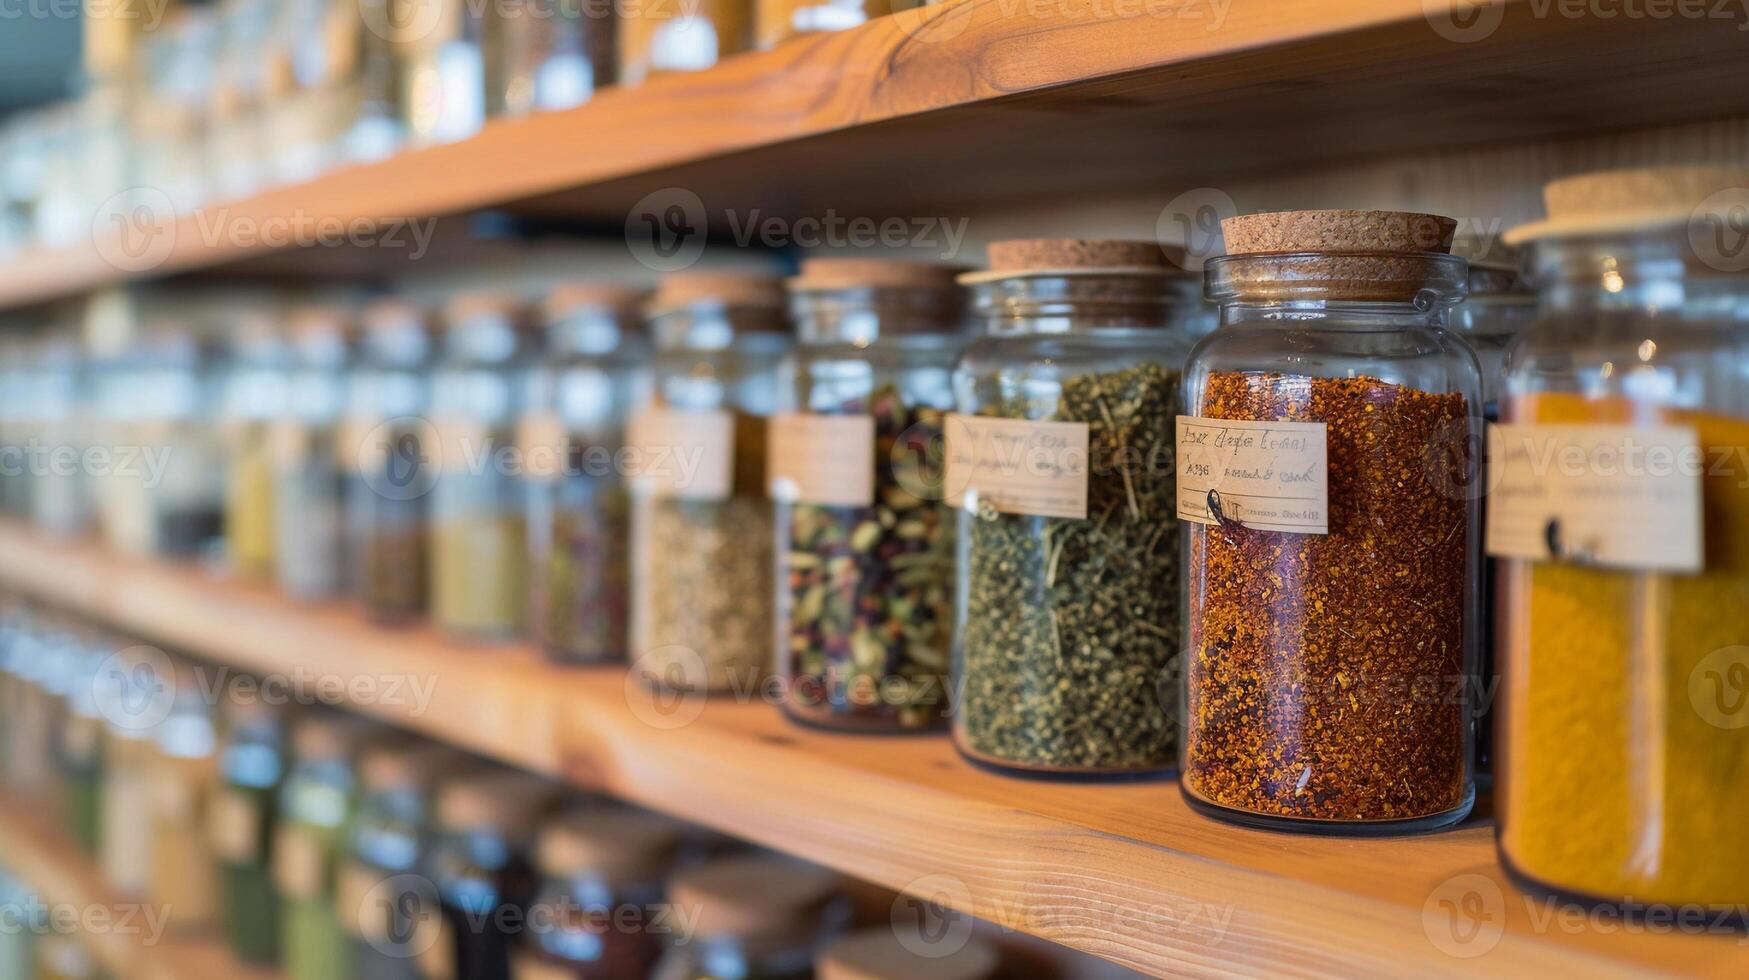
(1326, 672)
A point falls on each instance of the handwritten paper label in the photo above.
(1017, 467)
(1616, 496)
(1268, 476)
(541, 439)
(684, 453)
(822, 459)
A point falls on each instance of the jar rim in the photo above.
(1413, 278)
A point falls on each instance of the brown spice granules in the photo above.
(1326, 672)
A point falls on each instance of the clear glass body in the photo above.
(1328, 676)
(379, 902)
(551, 57)
(579, 505)
(669, 36)
(252, 397)
(787, 954)
(15, 481)
(315, 805)
(444, 73)
(1648, 669)
(1496, 310)
(865, 593)
(242, 817)
(178, 450)
(388, 467)
(60, 494)
(183, 769)
(484, 887)
(1066, 646)
(478, 560)
(308, 482)
(702, 568)
(591, 927)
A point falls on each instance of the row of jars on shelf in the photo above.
(220, 101)
(1258, 562)
(333, 848)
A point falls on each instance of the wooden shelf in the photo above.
(1125, 872)
(61, 875)
(982, 102)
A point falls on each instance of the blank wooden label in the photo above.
(1018, 467)
(1267, 476)
(822, 459)
(684, 453)
(1616, 496)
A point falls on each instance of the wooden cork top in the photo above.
(568, 297)
(1049, 254)
(1367, 256)
(304, 321)
(726, 288)
(754, 895)
(1338, 231)
(1628, 200)
(472, 305)
(392, 313)
(884, 953)
(837, 273)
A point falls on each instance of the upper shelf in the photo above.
(980, 102)
(1125, 872)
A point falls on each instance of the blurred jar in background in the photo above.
(60, 485)
(247, 74)
(178, 453)
(906, 952)
(241, 817)
(387, 451)
(15, 425)
(758, 916)
(596, 917)
(480, 865)
(552, 54)
(79, 745)
(1495, 311)
(18, 904)
(321, 43)
(658, 36)
(132, 684)
(382, 901)
(779, 20)
(444, 52)
(315, 805)
(61, 957)
(378, 125)
(572, 438)
(33, 725)
(252, 396)
(183, 767)
(479, 558)
(307, 488)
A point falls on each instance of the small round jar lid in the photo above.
(754, 895)
(402, 764)
(392, 313)
(1405, 232)
(615, 842)
(827, 273)
(1611, 201)
(319, 318)
(572, 296)
(1073, 256)
(327, 737)
(681, 289)
(1363, 256)
(464, 307)
(885, 953)
(507, 802)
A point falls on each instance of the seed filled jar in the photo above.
(387, 452)
(315, 804)
(600, 914)
(479, 563)
(1624, 579)
(1059, 461)
(701, 526)
(573, 440)
(865, 541)
(755, 916)
(241, 817)
(306, 457)
(1326, 478)
(382, 900)
(484, 877)
(251, 397)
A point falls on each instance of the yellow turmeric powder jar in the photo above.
(1620, 509)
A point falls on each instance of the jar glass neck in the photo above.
(591, 331)
(863, 316)
(713, 326)
(1347, 315)
(1646, 272)
(1079, 303)
(484, 340)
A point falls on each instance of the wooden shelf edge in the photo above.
(1124, 872)
(61, 876)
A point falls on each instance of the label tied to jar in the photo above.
(1266, 476)
(687, 454)
(1609, 495)
(822, 459)
(1016, 466)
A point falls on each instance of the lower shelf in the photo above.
(63, 877)
(1125, 872)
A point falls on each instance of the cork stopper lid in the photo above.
(506, 802)
(319, 320)
(725, 288)
(328, 737)
(856, 273)
(885, 953)
(613, 296)
(617, 843)
(1614, 201)
(392, 313)
(1383, 256)
(464, 307)
(1406, 232)
(401, 765)
(754, 895)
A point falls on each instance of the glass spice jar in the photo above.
(661, 36)
(701, 523)
(599, 913)
(1060, 463)
(552, 55)
(573, 438)
(171, 423)
(907, 952)
(386, 451)
(241, 818)
(481, 869)
(315, 804)
(444, 71)
(776, 21)
(382, 900)
(755, 916)
(129, 691)
(252, 395)
(183, 768)
(864, 539)
(479, 556)
(307, 492)
(1623, 581)
(61, 494)
(79, 748)
(1326, 475)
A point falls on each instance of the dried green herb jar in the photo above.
(1060, 462)
(865, 542)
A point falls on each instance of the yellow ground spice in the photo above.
(1626, 729)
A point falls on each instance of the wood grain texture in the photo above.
(60, 875)
(982, 101)
(1125, 872)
